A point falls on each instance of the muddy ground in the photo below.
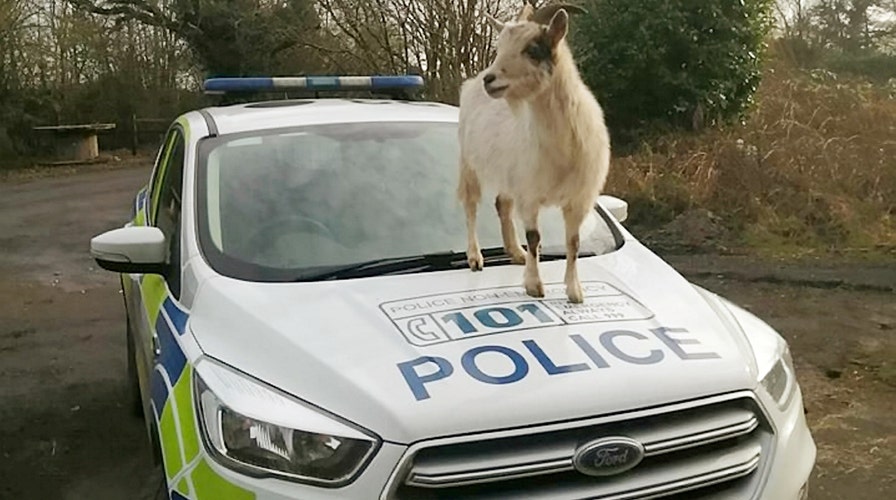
(65, 432)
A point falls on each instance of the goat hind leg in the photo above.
(573, 217)
(470, 193)
(504, 205)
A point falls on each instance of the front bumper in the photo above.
(786, 478)
(794, 456)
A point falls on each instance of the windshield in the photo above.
(276, 204)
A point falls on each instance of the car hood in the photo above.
(418, 356)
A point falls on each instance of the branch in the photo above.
(138, 10)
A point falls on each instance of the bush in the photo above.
(813, 167)
(663, 63)
(870, 64)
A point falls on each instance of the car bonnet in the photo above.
(425, 355)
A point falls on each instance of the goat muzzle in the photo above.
(493, 91)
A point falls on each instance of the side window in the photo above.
(167, 215)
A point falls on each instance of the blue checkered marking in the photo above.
(158, 392)
(172, 357)
(177, 315)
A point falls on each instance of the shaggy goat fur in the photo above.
(532, 131)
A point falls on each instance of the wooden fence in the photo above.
(148, 132)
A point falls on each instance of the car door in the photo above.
(158, 206)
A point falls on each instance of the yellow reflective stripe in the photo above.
(183, 395)
(170, 445)
(206, 483)
(153, 291)
(163, 164)
(140, 213)
(185, 124)
(210, 485)
(183, 488)
(163, 167)
(172, 440)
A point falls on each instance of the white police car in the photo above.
(302, 324)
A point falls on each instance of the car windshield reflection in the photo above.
(275, 204)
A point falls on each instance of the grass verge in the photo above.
(813, 169)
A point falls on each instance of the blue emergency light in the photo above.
(312, 83)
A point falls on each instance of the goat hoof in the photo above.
(518, 257)
(535, 289)
(575, 295)
(475, 262)
(574, 292)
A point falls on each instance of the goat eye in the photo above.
(532, 50)
(538, 52)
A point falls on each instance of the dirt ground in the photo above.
(66, 433)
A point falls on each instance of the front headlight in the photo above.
(773, 360)
(774, 364)
(780, 381)
(251, 428)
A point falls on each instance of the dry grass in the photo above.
(814, 167)
(839, 418)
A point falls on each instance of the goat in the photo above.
(530, 129)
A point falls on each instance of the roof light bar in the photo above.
(313, 83)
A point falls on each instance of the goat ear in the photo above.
(558, 26)
(497, 25)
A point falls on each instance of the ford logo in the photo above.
(608, 456)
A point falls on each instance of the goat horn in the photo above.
(527, 12)
(544, 14)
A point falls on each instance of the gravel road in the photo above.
(66, 433)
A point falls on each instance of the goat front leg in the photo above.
(573, 217)
(470, 194)
(532, 279)
(504, 205)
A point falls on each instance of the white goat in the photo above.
(532, 131)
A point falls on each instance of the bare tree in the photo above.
(853, 25)
(445, 40)
(233, 37)
(793, 17)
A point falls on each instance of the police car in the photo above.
(302, 324)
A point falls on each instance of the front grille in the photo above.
(708, 449)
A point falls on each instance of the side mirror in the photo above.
(618, 208)
(132, 249)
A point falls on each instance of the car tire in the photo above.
(161, 484)
(135, 400)
(160, 481)
(154, 486)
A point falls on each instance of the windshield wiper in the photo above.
(439, 261)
